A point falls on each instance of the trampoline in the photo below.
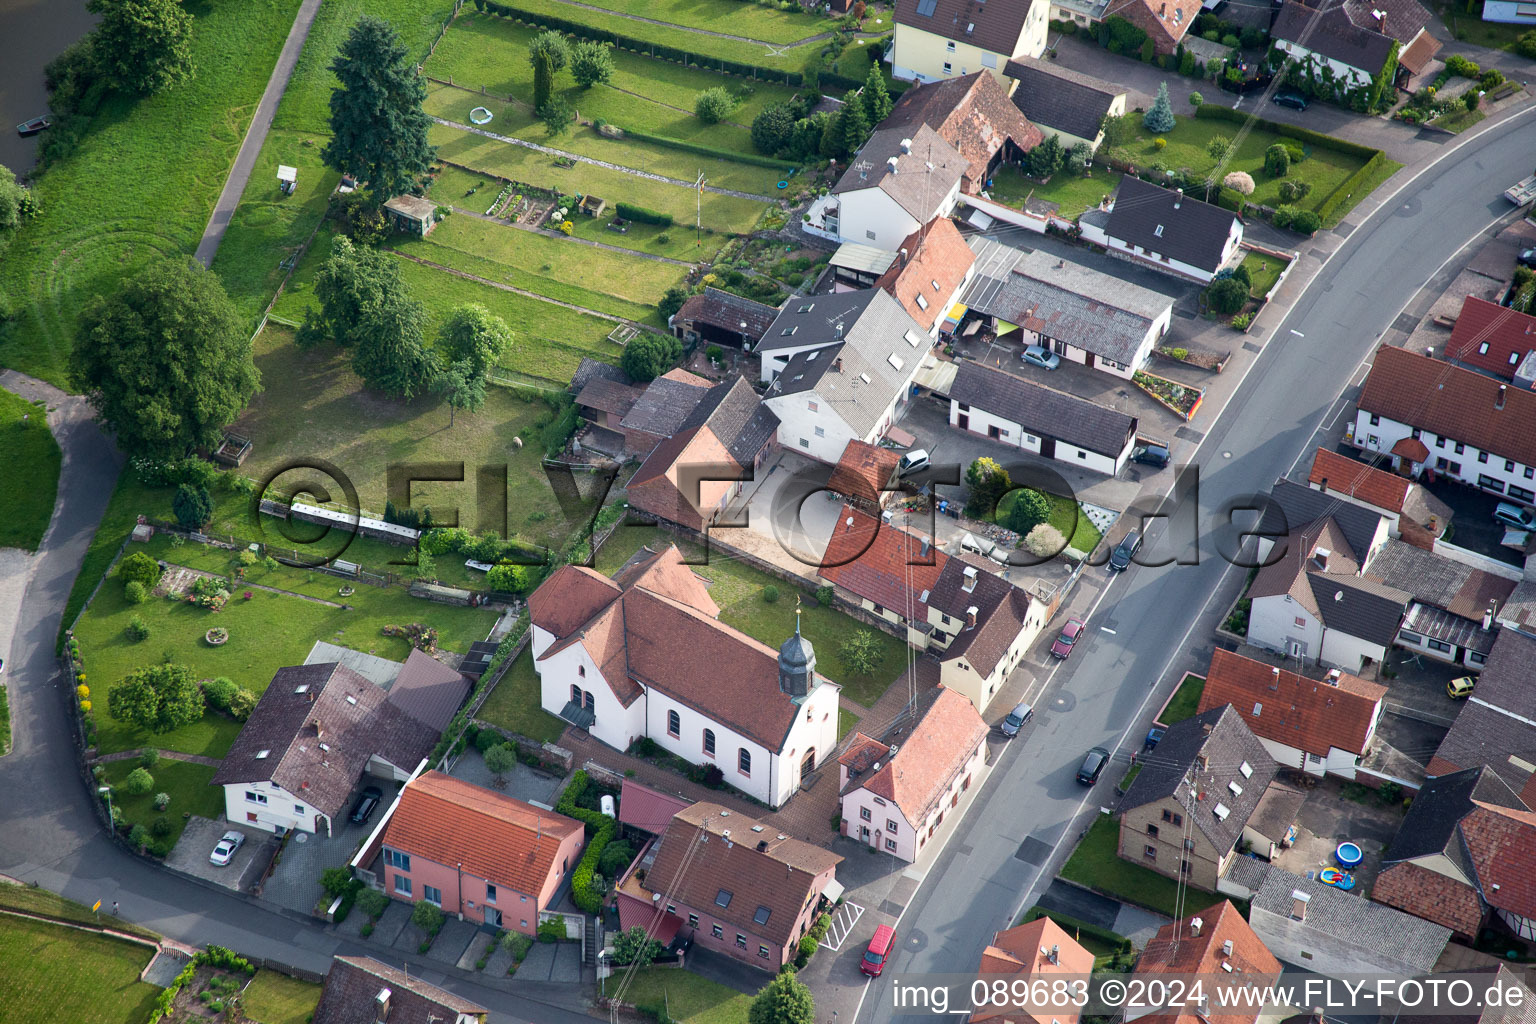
(480, 116)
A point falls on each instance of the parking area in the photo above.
(1418, 683)
(295, 881)
(241, 873)
(1337, 812)
(1472, 524)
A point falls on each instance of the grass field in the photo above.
(274, 998)
(140, 184)
(514, 704)
(31, 457)
(1066, 516)
(688, 998)
(1012, 187)
(52, 972)
(1096, 863)
(36, 900)
(1185, 700)
(190, 787)
(752, 21)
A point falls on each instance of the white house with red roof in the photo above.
(645, 655)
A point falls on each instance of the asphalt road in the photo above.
(1106, 693)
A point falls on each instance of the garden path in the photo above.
(509, 140)
(167, 755)
(564, 238)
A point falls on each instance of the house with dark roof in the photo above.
(1165, 229)
(1413, 515)
(1335, 933)
(1214, 943)
(1492, 338)
(938, 39)
(1079, 313)
(428, 690)
(840, 369)
(1038, 419)
(1452, 617)
(1186, 811)
(476, 854)
(1357, 40)
(316, 732)
(1497, 724)
(1067, 104)
(895, 790)
(362, 990)
(645, 654)
(1043, 950)
(1318, 726)
(973, 114)
(719, 448)
(606, 402)
(1166, 22)
(715, 317)
(1466, 425)
(929, 271)
(660, 410)
(899, 181)
(734, 885)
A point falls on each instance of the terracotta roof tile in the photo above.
(1502, 842)
(972, 113)
(882, 563)
(1415, 889)
(569, 598)
(864, 471)
(1017, 951)
(1175, 949)
(937, 261)
(1509, 336)
(936, 742)
(1309, 714)
(1376, 487)
(609, 396)
(647, 809)
(1412, 449)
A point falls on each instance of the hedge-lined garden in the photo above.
(585, 891)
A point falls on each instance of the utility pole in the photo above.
(698, 211)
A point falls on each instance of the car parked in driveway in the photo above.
(367, 803)
(224, 850)
(1039, 355)
(1093, 766)
(1120, 558)
(1064, 643)
(1517, 516)
(1015, 719)
(1460, 687)
(1291, 98)
(1527, 258)
(913, 461)
(1151, 455)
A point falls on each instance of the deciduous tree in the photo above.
(785, 1000)
(988, 482)
(461, 387)
(634, 946)
(142, 46)
(473, 333)
(378, 129)
(650, 355)
(591, 63)
(860, 652)
(1027, 510)
(158, 698)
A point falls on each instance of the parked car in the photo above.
(367, 803)
(1015, 719)
(1518, 516)
(1151, 455)
(914, 460)
(1527, 258)
(1093, 766)
(1069, 634)
(1461, 687)
(224, 850)
(879, 951)
(1120, 558)
(1154, 736)
(1039, 355)
(1291, 98)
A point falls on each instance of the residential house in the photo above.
(1501, 843)
(660, 410)
(1468, 426)
(931, 268)
(895, 790)
(646, 808)
(866, 475)
(939, 38)
(1082, 315)
(411, 214)
(736, 886)
(1166, 22)
(1038, 419)
(606, 402)
(977, 624)
(644, 654)
(1165, 229)
(856, 266)
(1356, 40)
(1453, 612)
(1270, 828)
(717, 450)
(841, 368)
(1413, 515)
(1186, 810)
(1328, 931)
(1210, 944)
(1519, 1004)
(1067, 104)
(317, 730)
(1318, 726)
(362, 990)
(1492, 338)
(1042, 950)
(1497, 724)
(973, 114)
(1084, 13)
(895, 184)
(1512, 12)
(477, 854)
(715, 317)
(1427, 871)
(428, 690)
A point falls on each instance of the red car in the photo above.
(1068, 639)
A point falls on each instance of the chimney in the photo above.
(970, 579)
(1226, 948)
(309, 695)
(1178, 198)
(923, 551)
(318, 730)
(1498, 403)
(1195, 924)
(1162, 10)
(1488, 615)
(838, 331)
(1320, 558)
(381, 1005)
(1381, 21)
(1333, 677)
(1055, 954)
(891, 165)
(970, 617)
(837, 364)
(903, 255)
(906, 145)
(1203, 761)
(1299, 901)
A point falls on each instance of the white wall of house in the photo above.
(929, 56)
(1440, 650)
(267, 806)
(979, 421)
(871, 217)
(1486, 470)
(1117, 369)
(1279, 623)
(818, 432)
(1340, 650)
(1514, 12)
(1153, 258)
(961, 676)
(870, 819)
(615, 725)
(1356, 77)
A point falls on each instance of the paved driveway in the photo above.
(523, 783)
(295, 882)
(1472, 523)
(241, 873)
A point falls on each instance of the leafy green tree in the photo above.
(1117, 130)
(142, 46)
(1028, 510)
(193, 506)
(427, 917)
(378, 129)
(714, 105)
(650, 355)
(1046, 158)
(500, 760)
(855, 128)
(241, 703)
(860, 651)
(988, 482)
(335, 881)
(166, 360)
(772, 129)
(634, 946)
(373, 903)
(461, 387)
(1160, 120)
(1218, 147)
(139, 567)
(514, 579)
(366, 307)
(158, 698)
(671, 302)
(1277, 161)
(551, 47)
(832, 136)
(785, 1000)
(616, 857)
(473, 333)
(876, 97)
(1077, 158)
(557, 115)
(15, 200)
(138, 782)
(591, 63)
(543, 81)
(1227, 295)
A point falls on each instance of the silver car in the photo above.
(1039, 355)
(1015, 719)
(224, 852)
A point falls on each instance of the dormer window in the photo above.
(1159, 231)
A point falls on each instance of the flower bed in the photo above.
(216, 636)
(1181, 399)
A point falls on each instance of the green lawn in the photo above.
(753, 21)
(846, 721)
(1185, 700)
(35, 900)
(1471, 28)
(1073, 195)
(190, 787)
(1263, 271)
(514, 704)
(1096, 864)
(686, 997)
(1066, 516)
(738, 589)
(273, 998)
(1459, 120)
(51, 972)
(141, 183)
(31, 459)
(1129, 777)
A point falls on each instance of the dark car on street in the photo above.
(1015, 719)
(1291, 98)
(1093, 766)
(367, 803)
(1120, 558)
(1154, 736)
(1068, 638)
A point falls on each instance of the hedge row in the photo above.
(739, 156)
(629, 211)
(1290, 131)
(600, 831)
(1344, 193)
(1080, 928)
